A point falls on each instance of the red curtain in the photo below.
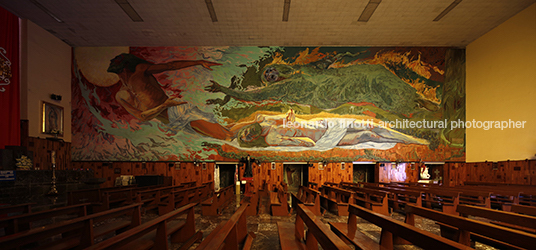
(9, 79)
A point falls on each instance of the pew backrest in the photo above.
(159, 224)
(14, 224)
(320, 231)
(20, 208)
(497, 215)
(503, 234)
(236, 225)
(83, 227)
(421, 238)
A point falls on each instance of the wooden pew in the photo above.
(189, 184)
(76, 233)
(460, 229)
(292, 236)
(336, 199)
(313, 185)
(116, 198)
(331, 184)
(279, 202)
(102, 199)
(92, 195)
(499, 194)
(218, 202)
(391, 228)
(444, 199)
(373, 199)
(151, 198)
(18, 209)
(400, 196)
(232, 234)
(252, 199)
(475, 198)
(308, 197)
(522, 209)
(154, 234)
(526, 199)
(264, 189)
(508, 219)
(23, 222)
(181, 196)
(349, 184)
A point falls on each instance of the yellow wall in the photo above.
(46, 70)
(501, 85)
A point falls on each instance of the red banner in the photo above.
(9, 79)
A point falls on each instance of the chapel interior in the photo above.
(218, 124)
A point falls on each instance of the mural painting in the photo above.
(271, 103)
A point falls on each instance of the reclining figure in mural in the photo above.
(323, 131)
(141, 94)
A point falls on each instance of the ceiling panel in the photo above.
(256, 23)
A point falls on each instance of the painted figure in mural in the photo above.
(141, 94)
(320, 132)
(332, 87)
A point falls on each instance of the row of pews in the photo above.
(101, 199)
(119, 226)
(464, 215)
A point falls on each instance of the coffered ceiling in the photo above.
(265, 23)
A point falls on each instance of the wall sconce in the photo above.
(196, 162)
(55, 97)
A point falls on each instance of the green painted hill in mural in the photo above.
(330, 88)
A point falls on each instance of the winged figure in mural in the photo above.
(332, 87)
(322, 131)
(141, 94)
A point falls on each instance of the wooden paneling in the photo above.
(383, 173)
(454, 173)
(412, 171)
(519, 172)
(497, 175)
(42, 151)
(332, 172)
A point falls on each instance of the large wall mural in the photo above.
(273, 103)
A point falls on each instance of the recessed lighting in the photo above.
(369, 10)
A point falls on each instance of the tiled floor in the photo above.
(265, 228)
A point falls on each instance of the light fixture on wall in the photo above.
(196, 162)
(55, 97)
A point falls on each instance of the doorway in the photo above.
(224, 175)
(295, 175)
(364, 172)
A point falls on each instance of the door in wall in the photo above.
(225, 174)
(295, 174)
(364, 172)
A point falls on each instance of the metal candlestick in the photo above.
(53, 190)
